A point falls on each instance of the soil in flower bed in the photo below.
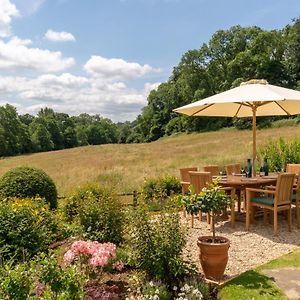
(110, 290)
(110, 287)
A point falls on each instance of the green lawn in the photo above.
(254, 285)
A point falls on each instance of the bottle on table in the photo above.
(249, 168)
(261, 171)
(266, 167)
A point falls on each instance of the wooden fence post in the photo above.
(135, 198)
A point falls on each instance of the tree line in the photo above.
(229, 58)
(50, 130)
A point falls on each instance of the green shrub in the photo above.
(99, 212)
(42, 278)
(157, 244)
(26, 227)
(16, 282)
(280, 153)
(27, 182)
(155, 191)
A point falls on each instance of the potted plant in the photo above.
(213, 249)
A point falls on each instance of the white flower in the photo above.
(155, 297)
(186, 287)
(151, 283)
(175, 288)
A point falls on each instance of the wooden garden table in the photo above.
(240, 182)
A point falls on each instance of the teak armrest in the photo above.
(185, 182)
(260, 191)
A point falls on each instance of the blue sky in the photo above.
(104, 56)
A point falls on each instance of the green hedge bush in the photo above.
(27, 182)
(155, 191)
(280, 153)
(26, 228)
(157, 244)
(99, 212)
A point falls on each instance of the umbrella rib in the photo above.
(238, 110)
(282, 108)
(201, 109)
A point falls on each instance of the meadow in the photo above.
(125, 166)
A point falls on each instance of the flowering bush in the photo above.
(191, 289)
(42, 278)
(99, 253)
(26, 228)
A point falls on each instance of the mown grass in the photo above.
(251, 285)
(124, 167)
(254, 284)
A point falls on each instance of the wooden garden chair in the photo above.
(233, 169)
(276, 200)
(236, 169)
(185, 178)
(199, 180)
(185, 181)
(296, 200)
(295, 168)
(213, 169)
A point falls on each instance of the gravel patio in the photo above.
(247, 249)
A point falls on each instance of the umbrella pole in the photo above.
(254, 140)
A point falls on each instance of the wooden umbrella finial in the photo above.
(255, 81)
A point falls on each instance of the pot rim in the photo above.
(201, 240)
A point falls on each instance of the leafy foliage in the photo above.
(26, 228)
(280, 153)
(156, 191)
(99, 212)
(229, 58)
(24, 182)
(212, 199)
(42, 278)
(157, 243)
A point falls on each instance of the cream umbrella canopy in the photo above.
(251, 99)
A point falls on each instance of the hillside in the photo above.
(126, 165)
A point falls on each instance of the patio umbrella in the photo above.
(251, 99)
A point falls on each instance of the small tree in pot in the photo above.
(213, 249)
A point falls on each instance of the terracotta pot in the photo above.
(213, 256)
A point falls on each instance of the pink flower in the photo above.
(39, 289)
(100, 253)
(69, 257)
(118, 265)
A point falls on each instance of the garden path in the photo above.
(288, 279)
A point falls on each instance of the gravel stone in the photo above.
(247, 249)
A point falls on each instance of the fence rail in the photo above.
(134, 195)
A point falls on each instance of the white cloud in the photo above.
(116, 68)
(16, 55)
(74, 95)
(16, 41)
(61, 36)
(7, 11)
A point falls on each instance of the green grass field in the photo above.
(126, 166)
